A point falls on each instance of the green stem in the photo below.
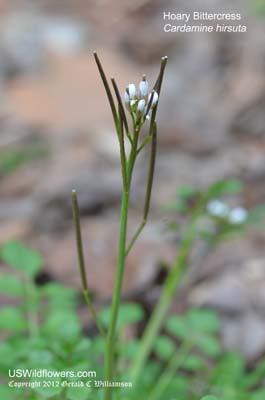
(81, 262)
(116, 295)
(174, 364)
(149, 186)
(109, 354)
(168, 292)
(135, 236)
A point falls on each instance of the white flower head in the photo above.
(238, 215)
(217, 208)
(141, 106)
(131, 90)
(143, 87)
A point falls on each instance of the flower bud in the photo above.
(238, 215)
(217, 208)
(132, 90)
(126, 98)
(143, 87)
(155, 98)
(141, 106)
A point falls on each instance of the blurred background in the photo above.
(56, 133)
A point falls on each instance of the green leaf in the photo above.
(40, 358)
(11, 285)
(229, 370)
(63, 326)
(186, 192)
(258, 395)
(18, 256)
(177, 389)
(11, 320)
(164, 347)
(177, 325)
(129, 349)
(209, 345)
(230, 186)
(78, 393)
(7, 393)
(128, 314)
(193, 363)
(59, 296)
(202, 320)
(209, 397)
(48, 392)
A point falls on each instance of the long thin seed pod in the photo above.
(81, 261)
(148, 190)
(123, 114)
(151, 172)
(122, 152)
(107, 88)
(157, 85)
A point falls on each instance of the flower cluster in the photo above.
(234, 216)
(140, 102)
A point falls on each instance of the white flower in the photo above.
(143, 87)
(237, 215)
(132, 103)
(141, 105)
(155, 98)
(132, 90)
(126, 98)
(217, 208)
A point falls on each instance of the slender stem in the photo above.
(81, 261)
(148, 192)
(116, 295)
(172, 281)
(172, 367)
(135, 236)
(145, 142)
(109, 355)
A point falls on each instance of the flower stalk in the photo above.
(141, 106)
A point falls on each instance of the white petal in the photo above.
(126, 98)
(217, 208)
(238, 215)
(143, 86)
(132, 90)
(141, 105)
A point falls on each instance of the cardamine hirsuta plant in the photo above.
(141, 108)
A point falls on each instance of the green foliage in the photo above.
(11, 285)
(128, 314)
(11, 320)
(18, 256)
(42, 330)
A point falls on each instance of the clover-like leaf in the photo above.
(18, 256)
(11, 285)
(12, 320)
(164, 347)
